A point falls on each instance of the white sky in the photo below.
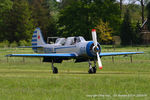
(58, 0)
(124, 1)
(129, 1)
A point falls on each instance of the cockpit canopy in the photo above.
(70, 40)
(60, 41)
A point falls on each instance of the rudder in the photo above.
(37, 38)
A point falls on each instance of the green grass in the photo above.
(33, 80)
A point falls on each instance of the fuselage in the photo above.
(73, 45)
(77, 45)
(81, 49)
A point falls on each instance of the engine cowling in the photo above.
(91, 50)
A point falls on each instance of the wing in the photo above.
(44, 55)
(119, 53)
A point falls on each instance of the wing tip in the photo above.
(9, 55)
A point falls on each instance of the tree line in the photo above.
(18, 19)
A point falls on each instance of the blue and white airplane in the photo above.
(69, 48)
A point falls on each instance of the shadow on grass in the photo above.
(49, 72)
(103, 73)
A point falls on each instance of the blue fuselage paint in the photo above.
(88, 49)
(34, 36)
(34, 44)
(34, 40)
(35, 32)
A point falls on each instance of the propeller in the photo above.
(96, 48)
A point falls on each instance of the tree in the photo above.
(137, 38)
(82, 15)
(74, 20)
(126, 30)
(108, 11)
(131, 4)
(143, 3)
(42, 13)
(20, 24)
(53, 7)
(135, 12)
(104, 32)
(5, 7)
(121, 7)
(148, 17)
(64, 3)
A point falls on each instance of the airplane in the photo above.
(69, 48)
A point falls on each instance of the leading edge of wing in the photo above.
(119, 53)
(44, 55)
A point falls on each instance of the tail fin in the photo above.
(37, 38)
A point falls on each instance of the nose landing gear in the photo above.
(92, 70)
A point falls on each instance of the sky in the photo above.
(58, 0)
(124, 1)
(129, 1)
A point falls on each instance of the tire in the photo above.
(94, 69)
(91, 71)
(55, 70)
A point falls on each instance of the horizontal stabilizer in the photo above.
(30, 47)
(119, 53)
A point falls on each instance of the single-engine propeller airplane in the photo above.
(69, 48)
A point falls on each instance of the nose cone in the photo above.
(97, 48)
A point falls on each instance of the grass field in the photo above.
(30, 79)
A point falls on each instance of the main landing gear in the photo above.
(55, 70)
(92, 70)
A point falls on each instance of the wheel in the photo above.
(55, 70)
(91, 71)
(94, 69)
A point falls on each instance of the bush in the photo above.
(28, 43)
(23, 43)
(14, 44)
(5, 43)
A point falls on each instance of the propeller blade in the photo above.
(99, 61)
(94, 37)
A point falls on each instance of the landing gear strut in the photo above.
(55, 70)
(92, 70)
